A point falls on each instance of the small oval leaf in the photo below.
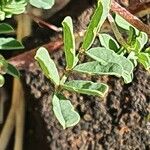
(69, 42)
(96, 68)
(64, 112)
(47, 65)
(105, 56)
(86, 87)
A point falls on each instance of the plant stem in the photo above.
(115, 7)
(9, 124)
(41, 22)
(20, 115)
(23, 61)
(117, 34)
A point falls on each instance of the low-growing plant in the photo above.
(8, 43)
(7, 9)
(112, 58)
(15, 7)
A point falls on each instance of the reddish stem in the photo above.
(23, 61)
(115, 7)
(42, 22)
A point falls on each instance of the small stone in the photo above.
(87, 117)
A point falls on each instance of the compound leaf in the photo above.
(96, 22)
(64, 112)
(86, 87)
(97, 68)
(69, 42)
(47, 65)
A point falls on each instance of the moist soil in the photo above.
(117, 122)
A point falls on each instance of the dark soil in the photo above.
(119, 122)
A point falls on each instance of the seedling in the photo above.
(7, 9)
(110, 59)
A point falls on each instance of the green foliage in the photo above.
(8, 44)
(44, 4)
(86, 87)
(2, 80)
(121, 22)
(69, 43)
(108, 42)
(136, 41)
(6, 67)
(11, 70)
(64, 111)
(5, 28)
(15, 7)
(47, 65)
(144, 59)
(110, 59)
(105, 56)
(96, 22)
(97, 68)
(11, 7)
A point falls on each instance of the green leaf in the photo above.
(121, 22)
(47, 65)
(131, 35)
(2, 80)
(86, 87)
(5, 28)
(144, 59)
(105, 56)
(140, 41)
(133, 58)
(11, 70)
(10, 44)
(108, 42)
(69, 42)
(44, 4)
(147, 50)
(96, 22)
(10, 7)
(2, 15)
(64, 112)
(96, 68)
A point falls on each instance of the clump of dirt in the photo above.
(119, 122)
